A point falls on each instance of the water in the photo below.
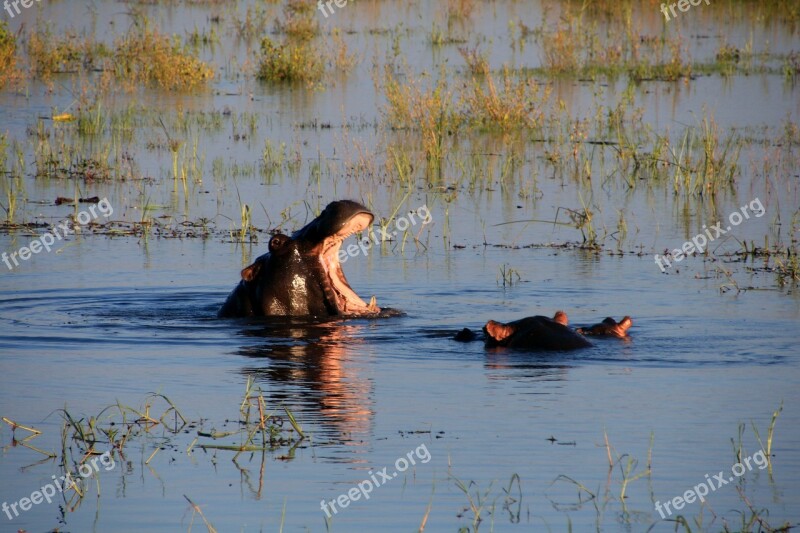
(114, 317)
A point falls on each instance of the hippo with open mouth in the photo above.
(301, 275)
(544, 333)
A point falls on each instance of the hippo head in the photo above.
(302, 274)
(322, 238)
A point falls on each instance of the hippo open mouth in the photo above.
(302, 274)
(340, 293)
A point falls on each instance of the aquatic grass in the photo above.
(507, 276)
(196, 510)
(290, 62)
(622, 51)
(702, 164)
(300, 19)
(254, 23)
(147, 56)
(477, 62)
(518, 104)
(157, 423)
(197, 38)
(752, 519)
(428, 109)
(441, 37)
(142, 56)
(24, 442)
(254, 421)
(12, 184)
(299, 22)
(91, 119)
(460, 10)
(340, 53)
(9, 73)
(477, 502)
(70, 53)
(770, 435)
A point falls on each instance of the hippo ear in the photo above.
(250, 273)
(497, 331)
(278, 242)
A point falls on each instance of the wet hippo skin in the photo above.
(301, 275)
(544, 333)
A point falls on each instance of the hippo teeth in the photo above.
(373, 304)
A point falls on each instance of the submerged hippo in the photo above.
(609, 328)
(543, 333)
(301, 275)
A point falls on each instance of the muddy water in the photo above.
(113, 318)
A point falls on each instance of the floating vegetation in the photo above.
(155, 426)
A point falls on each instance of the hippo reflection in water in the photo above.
(301, 275)
(543, 333)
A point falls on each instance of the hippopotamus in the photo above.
(609, 328)
(301, 275)
(544, 333)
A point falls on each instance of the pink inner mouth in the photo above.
(347, 301)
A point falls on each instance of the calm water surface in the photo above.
(370, 391)
(109, 319)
